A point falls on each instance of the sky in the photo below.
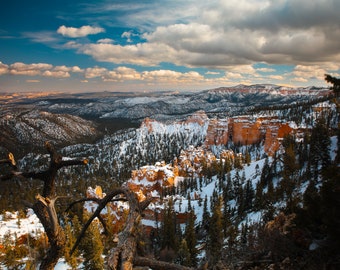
(153, 45)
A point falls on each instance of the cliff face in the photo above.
(217, 132)
(247, 130)
(243, 130)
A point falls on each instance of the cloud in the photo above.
(142, 54)
(74, 69)
(265, 69)
(3, 68)
(314, 71)
(127, 35)
(56, 74)
(276, 77)
(220, 34)
(212, 73)
(299, 79)
(105, 40)
(124, 74)
(34, 69)
(121, 74)
(94, 72)
(171, 76)
(45, 37)
(83, 31)
(38, 69)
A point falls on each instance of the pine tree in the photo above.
(215, 241)
(169, 227)
(319, 147)
(247, 158)
(290, 169)
(265, 174)
(259, 197)
(190, 238)
(71, 231)
(330, 203)
(93, 248)
(311, 212)
(183, 254)
(206, 215)
(249, 196)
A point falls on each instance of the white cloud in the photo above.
(105, 40)
(127, 35)
(171, 76)
(38, 69)
(94, 72)
(56, 74)
(74, 69)
(121, 74)
(83, 31)
(232, 75)
(3, 69)
(212, 73)
(19, 68)
(299, 79)
(266, 69)
(314, 71)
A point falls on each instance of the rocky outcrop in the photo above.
(245, 130)
(217, 132)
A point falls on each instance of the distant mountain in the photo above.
(31, 119)
(31, 128)
(227, 101)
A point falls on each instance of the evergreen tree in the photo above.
(259, 197)
(71, 231)
(169, 227)
(311, 212)
(330, 203)
(190, 238)
(226, 221)
(215, 241)
(249, 196)
(247, 158)
(206, 215)
(319, 147)
(265, 174)
(93, 248)
(335, 82)
(290, 169)
(183, 254)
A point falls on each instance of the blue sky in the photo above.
(154, 45)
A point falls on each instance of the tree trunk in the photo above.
(45, 211)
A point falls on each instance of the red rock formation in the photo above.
(247, 130)
(217, 133)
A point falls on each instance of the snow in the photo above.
(334, 147)
(30, 224)
(146, 100)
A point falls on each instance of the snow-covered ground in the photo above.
(11, 224)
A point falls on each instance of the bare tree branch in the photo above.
(101, 205)
(44, 206)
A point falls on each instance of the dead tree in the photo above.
(44, 206)
(124, 256)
